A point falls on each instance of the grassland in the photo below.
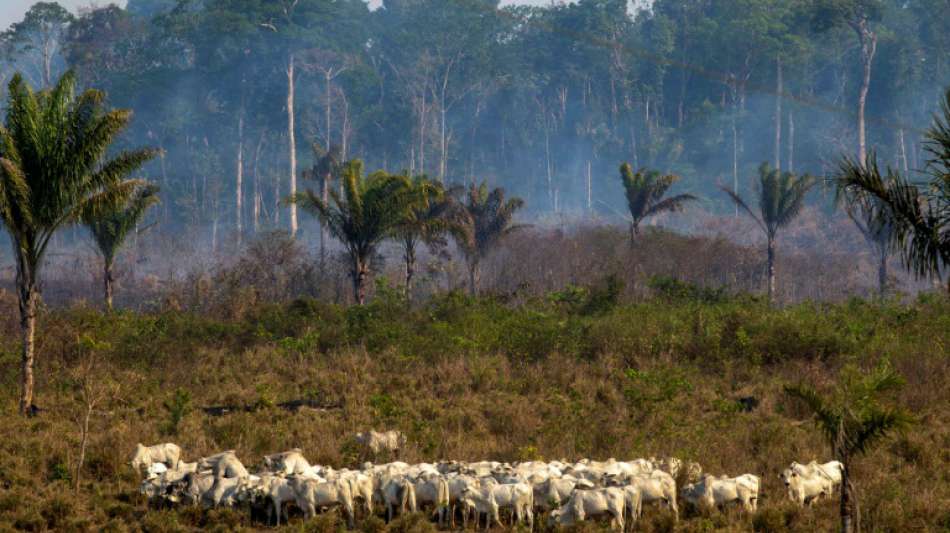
(574, 374)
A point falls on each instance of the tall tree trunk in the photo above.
(108, 279)
(27, 296)
(868, 41)
(258, 199)
(735, 150)
(292, 144)
(325, 196)
(778, 114)
(239, 180)
(791, 141)
(771, 270)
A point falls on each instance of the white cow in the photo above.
(656, 487)
(311, 495)
(490, 497)
(390, 441)
(804, 489)
(223, 465)
(279, 491)
(831, 470)
(718, 492)
(433, 490)
(397, 491)
(584, 504)
(145, 456)
(288, 463)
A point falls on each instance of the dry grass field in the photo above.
(572, 375)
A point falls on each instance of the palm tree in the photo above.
(52, 170)
(865, 211)
(645, 190)
(426, 221)
(919, 213)
(325, 168)
(480, 221)
(781, 197)
(366, 213)
(110, 228)
(853, 419)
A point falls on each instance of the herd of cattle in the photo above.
(566, 492)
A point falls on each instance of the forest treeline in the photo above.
(241, 97)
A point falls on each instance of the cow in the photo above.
(656, 487)
(490, 497)
(279, 491)
(145, 456)
(223, 465)
(433, 490)
(311, 495)
(831, 470)
(609, 501)
(397, 491)
(803, 488)
(291, 462)
(376, 442)
(554, 492)
(719, 491)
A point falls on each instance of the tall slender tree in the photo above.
(781, 197)
(112, 226)
(426, 222)
(480, 221)
(919, 213)
(866, 210)
(367, 212)
(53, 168)
(854, 417)
(645, 191)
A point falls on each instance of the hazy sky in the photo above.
(12, 10)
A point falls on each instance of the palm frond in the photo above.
(742, 205)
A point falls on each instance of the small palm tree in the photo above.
(866, 211)
(645, 190)
(110, 229)
(426, 221)
(480, 221)
(367, 212)
(52, 170)
(781, 197)
(854, 418)
(919, 213)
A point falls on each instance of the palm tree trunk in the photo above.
(28, 295)
(108, 279)
(882, 272)
(360, 272)
(410, 257)
(473, 275)
(771, 270)
(848, 502)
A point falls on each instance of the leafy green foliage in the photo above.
(177, 407)
(854, 416)
(645, 191)
(781, 197)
